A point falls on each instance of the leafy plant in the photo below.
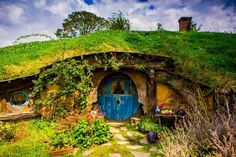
(147, 124)
(75, 82)
(119, 22)
(7, 131)
(81, 134)
(101, 132)
(80, 22)
(62, 139)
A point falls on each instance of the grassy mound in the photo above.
(198, 55)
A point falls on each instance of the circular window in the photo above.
(19, 99)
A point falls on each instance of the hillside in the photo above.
(203, 56)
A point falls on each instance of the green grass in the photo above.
(198, 55)
(28, 142)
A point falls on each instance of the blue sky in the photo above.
(22, 17)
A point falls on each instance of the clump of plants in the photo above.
(148, 124)
(82, 135)
(202, 134)
(74, 81)
(7, 131)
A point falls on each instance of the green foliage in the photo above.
(82, 135)
(112, 62)
(75, 81)
(194, 27)
(148, 124)
(7, 131)
(206, 55)
(25, 149)
(28, 140)
(101, 132)
(119, 22)
(80, 22)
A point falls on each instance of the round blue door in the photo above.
(117, 96)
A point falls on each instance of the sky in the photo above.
(23, 17)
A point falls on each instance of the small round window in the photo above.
(19, 99)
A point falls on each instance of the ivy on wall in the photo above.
(74, 80)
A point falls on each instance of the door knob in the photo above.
(118, 101)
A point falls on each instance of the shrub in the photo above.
(7, 131)
(81, 134)
(177, 143)
(62, 139)
(148, 124)
(101, 132)
(119, 22)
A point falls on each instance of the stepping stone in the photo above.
(153, 149)
(122, 142)
(114, 130)
(120, 137)
(129, 134)
(140, 154)
(107, 144)
(114, 155)
(87, 152)
(144, 141)
(134, 147)
(123, 128)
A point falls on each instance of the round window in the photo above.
(19, 99)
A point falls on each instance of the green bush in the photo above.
(62, 139)
(7, 131)
(147, 124)
(82, 135)
(101, 132)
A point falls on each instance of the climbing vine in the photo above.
(74, 81)
(32, 35)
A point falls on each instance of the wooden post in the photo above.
(3, 106)
(151, 91)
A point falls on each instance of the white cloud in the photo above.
(12, 13)
(62, 8)
(50, 15)
(40, 3)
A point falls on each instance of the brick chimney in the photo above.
(184, 24)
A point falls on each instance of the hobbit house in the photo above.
(125, 82)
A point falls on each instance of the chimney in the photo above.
(184, 24)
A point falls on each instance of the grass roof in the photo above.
(205, 56)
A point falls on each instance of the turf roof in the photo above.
(200, 55)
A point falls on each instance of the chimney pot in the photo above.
(185, 23)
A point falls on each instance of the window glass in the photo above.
(118, 87)
(19, 99)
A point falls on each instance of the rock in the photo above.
(114, 130)
(120, 137)
(144, 141)
(129, 133)
(122, 142)
(140, 154)
(153, 149)
(114, 155)
(87, 152)
(123, 128)
(107, 144)
(134, 147)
